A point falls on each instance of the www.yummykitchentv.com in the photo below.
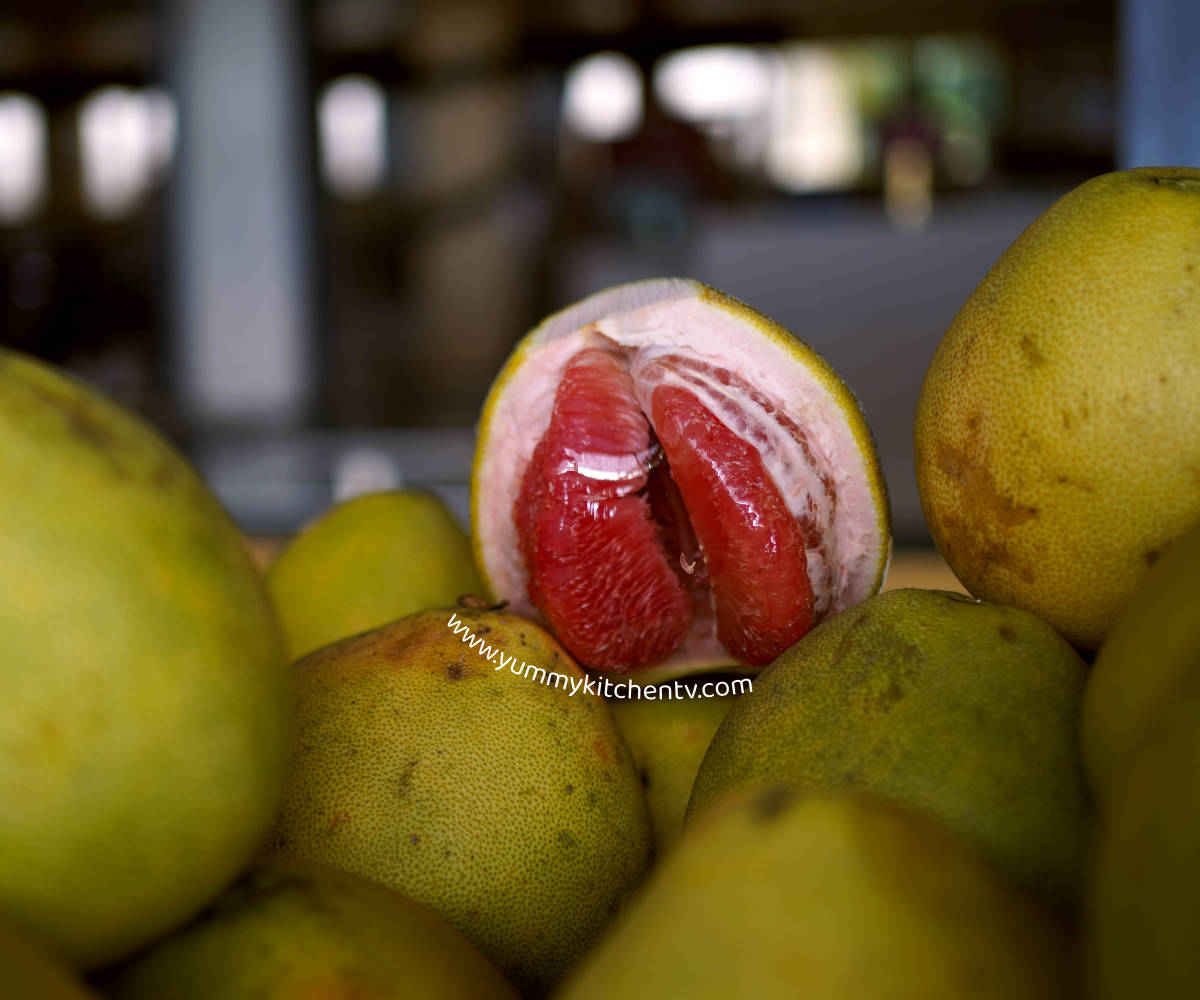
(604, 687)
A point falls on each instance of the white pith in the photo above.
(670, 316)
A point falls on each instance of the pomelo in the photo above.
(774, 895)
(667, 737)
(1058, 426)
(367, 561)
(1143, 903)
(28, 974)
(144, 702)
(1143, 659)
(668, 478)
(295, 930)
(458, 757)
(962, 710)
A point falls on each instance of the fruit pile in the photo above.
(388, 767)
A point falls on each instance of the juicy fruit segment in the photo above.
(754, 553)
(600, 566)
(720, 372)
(964, 711)
(451, 762)
(779, 896)
(295, 930)
(598, 570)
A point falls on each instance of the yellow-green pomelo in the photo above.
(1143, 904)
(1142, 660)
(28, 974)
(144, 704)
(1058, 427)
(457, 757)
(296, 930)
(779, 896)
(959, 709)
(667, 737)
(366, 562)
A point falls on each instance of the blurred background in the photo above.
(302, 237)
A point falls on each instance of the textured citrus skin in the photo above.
(144, 705)
(493, 432)
(27, 974)
(667, 738)
(295, 930)
(1148, 652)
(1143, 912)
(961, 710)
(1058, 427)
(776, 896)
(367, 561)
(509, 806)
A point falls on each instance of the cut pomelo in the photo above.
(670, 480)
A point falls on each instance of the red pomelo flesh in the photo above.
(753, 548)
(619, 545)
(598, 571)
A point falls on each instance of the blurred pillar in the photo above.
(241, 214)
(1160, 83)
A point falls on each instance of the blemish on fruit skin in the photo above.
(1151, 556)
(1033, 357)
(1007, 633)
(454, 671)
(413, 838)
(771, 803)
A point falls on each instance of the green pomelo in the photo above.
(1144, 657)
(777, 896)
(1143, 910)
(145, 708)
(295, 930)
(1057, 433)
(962, 710)
(667, 738)
(28, 974)
(507, 804)
(366, 562)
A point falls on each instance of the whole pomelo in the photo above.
(667, 737)
(1143, 902)
(145, 708)
(959, 709)
(367, 561)
(456, 756)
(1147, 653)
(779, 896)
(1058, 426)
(296, 930)
(26, 973)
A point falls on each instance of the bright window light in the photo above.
(127, 139)
(22, 156)
(602, 97)
(814, 141)
(352, 128)
(714, 82)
